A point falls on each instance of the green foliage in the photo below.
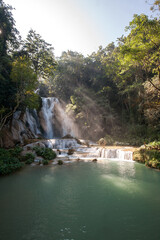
(153, 145)
(8, 42)
(23, 75)
(155, 6)
(32, 100)
(15, 152)
(46, 153)
(7, 27)
(9, 160)
(45, 162)
(29, 158)
(113, 92)
(39, 150)
(141, 47)
(49, 154)
(40, 53)
(150, 157)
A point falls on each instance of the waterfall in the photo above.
(48, 115)
(52, 120)
(32, 121)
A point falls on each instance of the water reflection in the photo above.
(121, 175)
(121, 182)
(48, 179)
(126, 169)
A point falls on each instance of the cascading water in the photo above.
(52, 120)
(32, 121)
(48, 115)
(115, 154)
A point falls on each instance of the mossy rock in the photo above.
(71, 151)
(107, 140)
(94, 160)
(60, 162)
(102, 142)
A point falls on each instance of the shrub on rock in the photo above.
(29, 158)
(46, 153)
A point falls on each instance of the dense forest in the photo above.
(113, 94)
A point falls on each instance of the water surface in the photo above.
(81, 201)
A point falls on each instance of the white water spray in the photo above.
(48, 115)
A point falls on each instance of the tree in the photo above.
(142, 46)
(68, 75)
(25, 81)
(155, 6)
(8, 40)
(8, 32)
(40, 53)
(24, 77)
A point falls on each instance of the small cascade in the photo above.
(121, 154)
(61, 143)
(126, 155)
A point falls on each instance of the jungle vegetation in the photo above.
(113, 93)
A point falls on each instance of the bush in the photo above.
(151, 158)
(46, 153)
(39, 150)
(15, 152)
(153, 145)
(49, 154)
(29, 158)
(45, 162)
(9, 160)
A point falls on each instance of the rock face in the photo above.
(51, 122)
(16, 131)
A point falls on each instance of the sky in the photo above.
(77, 25)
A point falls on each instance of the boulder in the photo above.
(32, 145)
(94, 160)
